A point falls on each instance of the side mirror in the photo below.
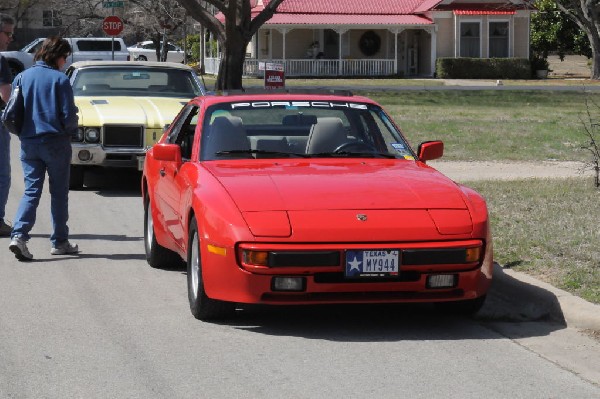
(167, 152)
(429, 150)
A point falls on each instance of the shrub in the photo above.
(483, 68)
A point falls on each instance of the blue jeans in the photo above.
(4, 169)
(50, 154)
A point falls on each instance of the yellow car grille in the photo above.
(123, 136)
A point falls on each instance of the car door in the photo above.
(172, 184)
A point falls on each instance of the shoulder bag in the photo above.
(12, 116)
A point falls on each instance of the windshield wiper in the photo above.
(262, 152)
(353, 154)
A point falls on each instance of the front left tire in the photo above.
(157, 256)
(202, 307)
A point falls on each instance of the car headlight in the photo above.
(92, 135)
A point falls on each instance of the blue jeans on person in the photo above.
(52, 154)
(4, 169)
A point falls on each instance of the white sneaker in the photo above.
(64, 248)
(19, 247)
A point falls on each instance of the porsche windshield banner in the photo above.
(315, 104)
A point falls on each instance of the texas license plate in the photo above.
(372, 263)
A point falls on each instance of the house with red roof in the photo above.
(387, 37)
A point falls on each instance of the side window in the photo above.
(34, 49)
(470, 39)
(149, 46)
(183, 131)
(98, 45)
(498, 39)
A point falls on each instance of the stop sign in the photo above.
(112, 25)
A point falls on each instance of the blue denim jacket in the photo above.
(49, 103)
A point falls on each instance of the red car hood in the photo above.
(336, 184)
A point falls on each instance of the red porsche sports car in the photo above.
(309, 198)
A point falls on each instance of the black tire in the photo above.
(467, 307)
(76, 176)
(142, 58)
(157, 256)
(202, 307)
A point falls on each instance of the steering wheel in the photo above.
(357, 146)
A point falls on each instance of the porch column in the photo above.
(283, 31)
(340, 32)
(396, 53)
(396, 32)
(433, 32)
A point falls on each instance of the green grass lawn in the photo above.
(549, 229)
(494, 125)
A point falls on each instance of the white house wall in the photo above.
(521, 30)
(445, 35)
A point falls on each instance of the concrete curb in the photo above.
(517, 296)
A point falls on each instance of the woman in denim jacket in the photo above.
(50, 121)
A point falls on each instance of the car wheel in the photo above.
(157, 256)
(142, 58)
(467, 307)
(76, 176)
(202, 307)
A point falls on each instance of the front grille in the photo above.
(338, 278)
(129, 136)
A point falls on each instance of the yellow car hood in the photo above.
(153, 112)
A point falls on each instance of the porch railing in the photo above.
(315, 68)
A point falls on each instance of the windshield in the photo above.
(283, 129)
(136, 81)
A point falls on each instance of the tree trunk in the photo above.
(595, 45)
(231, 67)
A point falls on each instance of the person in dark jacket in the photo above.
(50, 122)
(7, 25)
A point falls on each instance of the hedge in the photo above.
(483, 68)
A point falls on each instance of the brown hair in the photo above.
(6, 19)
(52, 50)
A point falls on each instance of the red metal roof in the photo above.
(483, 12)
(343, 19)
(480, 8)
(355, 7)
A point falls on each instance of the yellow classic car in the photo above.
(123, 110)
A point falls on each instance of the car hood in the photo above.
(153, 112)
(336, 185)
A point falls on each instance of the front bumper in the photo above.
(227, 281)
(96, 155)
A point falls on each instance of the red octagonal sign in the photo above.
(112, 25)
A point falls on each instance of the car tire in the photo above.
(142, 58)
(467, 307)
(157, 256)
(202, 307)
(76, 176)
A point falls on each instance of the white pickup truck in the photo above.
(84, 49)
